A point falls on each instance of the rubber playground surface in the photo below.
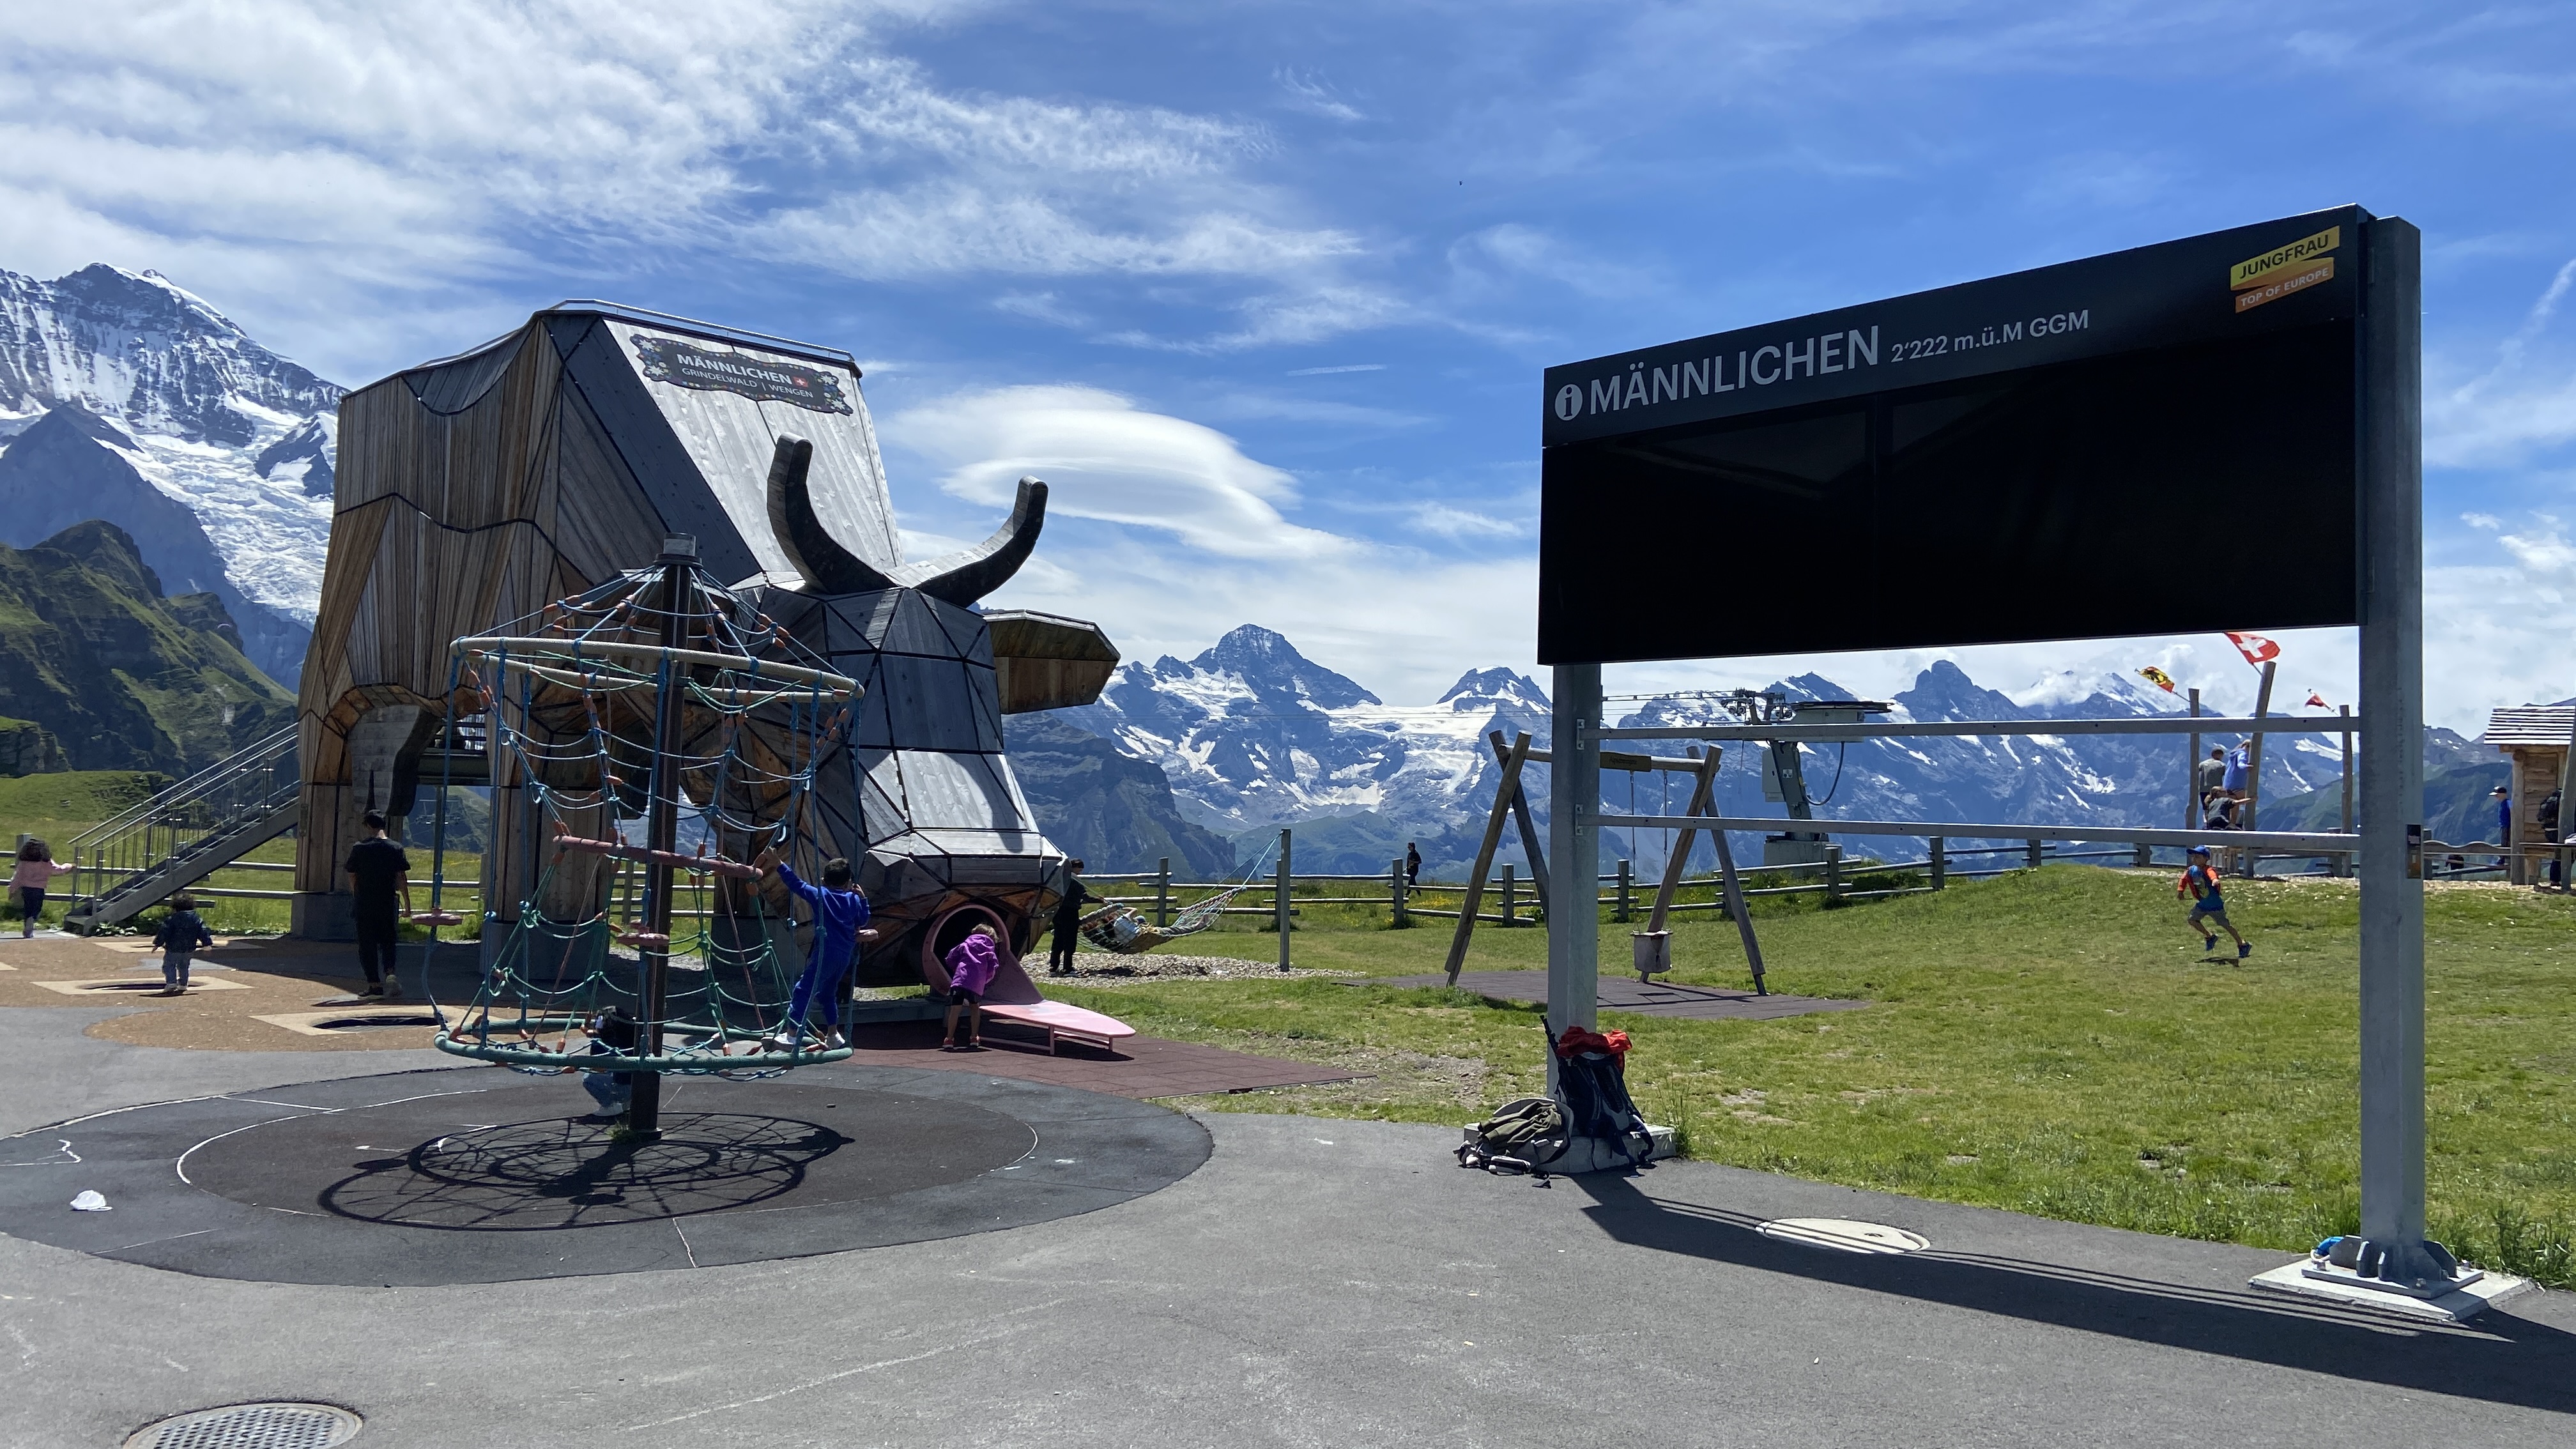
(879, 1254)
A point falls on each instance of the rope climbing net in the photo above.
(661, 732)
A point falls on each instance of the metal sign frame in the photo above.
(2390, 607)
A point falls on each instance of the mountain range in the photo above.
(1253, 735)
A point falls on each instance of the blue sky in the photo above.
(1264, 290)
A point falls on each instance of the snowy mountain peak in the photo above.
(1264, 660)
(1484, 691)
(209, 421)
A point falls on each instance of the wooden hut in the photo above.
(481, 487)
(2536, 739)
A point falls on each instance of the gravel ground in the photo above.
(1104, 966)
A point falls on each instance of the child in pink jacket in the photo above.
(36, 870)
(971, 964)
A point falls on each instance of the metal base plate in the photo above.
(2461, 1303)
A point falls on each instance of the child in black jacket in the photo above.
(180, 937)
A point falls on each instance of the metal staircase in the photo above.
(184, 834)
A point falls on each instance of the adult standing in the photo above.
(1068, 921)
(2547, 820)
(2211, 776)
(380, 878)
(1412, 865)
(36, 870)
(2504, 823)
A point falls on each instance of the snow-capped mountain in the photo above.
(153, 396)
(1254, 735)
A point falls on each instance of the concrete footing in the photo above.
(2462, 1303)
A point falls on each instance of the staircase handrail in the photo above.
(240, 761)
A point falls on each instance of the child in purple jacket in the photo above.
(971, 964)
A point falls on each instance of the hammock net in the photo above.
(656, 686)
(1124, 930)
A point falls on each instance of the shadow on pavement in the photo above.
(2497, 1357)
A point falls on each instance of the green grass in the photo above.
(2053, 1042)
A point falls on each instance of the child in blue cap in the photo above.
(2208, 906)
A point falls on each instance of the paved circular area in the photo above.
(486, 1175)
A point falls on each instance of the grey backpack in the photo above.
(1524, 1135)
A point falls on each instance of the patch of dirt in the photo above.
(1091, 968)
(1387, 1075)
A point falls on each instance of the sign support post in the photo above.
(2392, 757)
(1574, 849)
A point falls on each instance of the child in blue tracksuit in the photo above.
(840, 917)
(179, 939)
(2208, 907)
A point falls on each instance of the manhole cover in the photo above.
(1844, 1235)
(252, 1426)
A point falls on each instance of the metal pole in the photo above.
(662, 834)
(1574, 791)
(2392, 752)
(2191, 772)
(1279, 899)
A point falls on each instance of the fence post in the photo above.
(1833, 872)
(2035, 847)
(1940, 864)
(1395, 891)
(1625, 879)
(1511, 881)
(1163, 894)
(1279, 899)
(2144, 857)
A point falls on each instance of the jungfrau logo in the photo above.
(2279, 272)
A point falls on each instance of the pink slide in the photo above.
(1013, 997)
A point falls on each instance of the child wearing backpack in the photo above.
(180, 937)
(2200, 883)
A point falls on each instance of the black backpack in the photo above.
(1597, 1105)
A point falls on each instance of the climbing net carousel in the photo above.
(663, 732)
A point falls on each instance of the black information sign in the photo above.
(2154, 441)
(760, 378)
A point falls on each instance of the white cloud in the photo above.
(2521, 405)
(1105, 458)
(2542, 551)
(2487, 521)
(353, 178)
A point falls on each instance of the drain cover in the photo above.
(1845, 1235)
(251, 1426)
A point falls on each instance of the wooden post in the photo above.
(1395, 891)
(1510, 880)
(1733, 886)
(2035, 848)
(1833, 872)
(1530, 846)
(1504, 788)
(2343, 862)
(2191, 773)
(2143, 858)
(1940, 864)
(1163, 894)
(661, 835)
(1279, 899)
(2254, 769)
(1619, 912)
(1702, 802)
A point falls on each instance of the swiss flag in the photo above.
(2258, 651)
(2316, 701)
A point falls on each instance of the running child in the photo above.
(180, 937)
(2208, 907)
(971, 964)
(840, 918)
